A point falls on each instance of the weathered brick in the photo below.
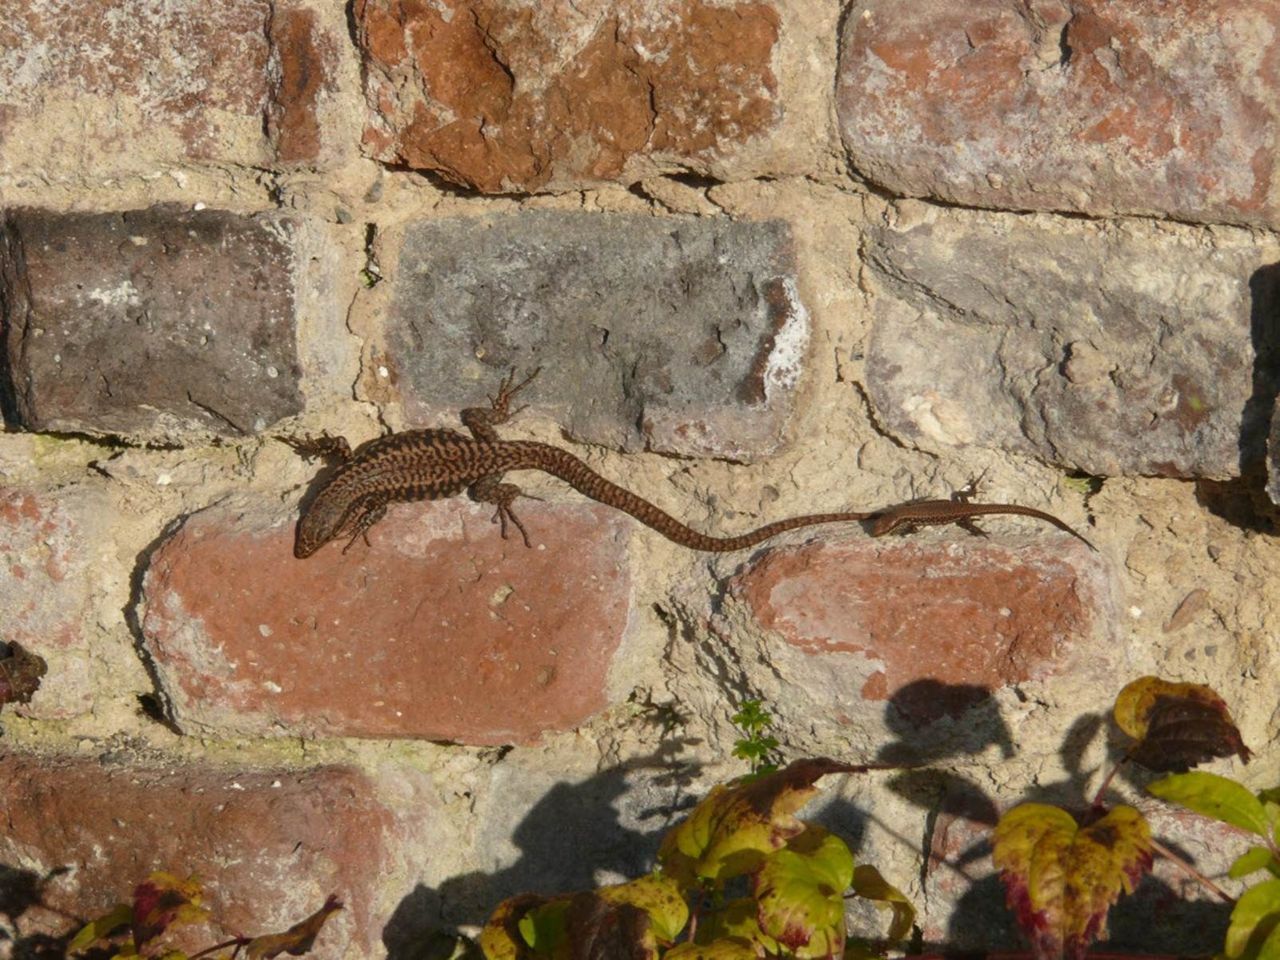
(46, 580)
(269, 845)
(153, 323)
(1273, 457)
(1158, 107)
(1124, 349)
(503, 96)
(441, 630)
(931, 630)
(964, 900)
(112, 86)
(300, 73)
(682, 336)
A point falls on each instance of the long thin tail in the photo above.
(563, 464)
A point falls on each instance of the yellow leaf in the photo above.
(103, 927)
(731, 830)
(297, 940)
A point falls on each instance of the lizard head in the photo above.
(321, 522)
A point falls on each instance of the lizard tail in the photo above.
(564, 465)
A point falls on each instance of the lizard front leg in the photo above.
(481, 420)
(371, 510)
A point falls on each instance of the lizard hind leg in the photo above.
(501, 495)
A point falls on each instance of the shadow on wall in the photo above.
(21, 906)
(1244, 502)
(573, 838)
(960, 815)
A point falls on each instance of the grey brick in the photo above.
(154, 323)
(1117, 349)
(681, 336)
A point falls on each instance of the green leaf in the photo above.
(801, 888)
(1255, 924)
(101, 928)
(1251, 861)
(752, 716)
(544, 928)
(1216, 797)
(870, 885)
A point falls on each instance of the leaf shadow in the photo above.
(577, 836)
(29, 921)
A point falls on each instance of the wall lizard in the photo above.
(433, 464)
(959, 511)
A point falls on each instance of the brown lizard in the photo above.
(433, 464)
(960, 511)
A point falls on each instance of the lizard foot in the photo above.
(501, 495)
(507, 391)
(322, 446)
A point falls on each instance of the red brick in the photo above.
(195, 79)
(1161, 107)
(46, 578)
(440, 630)
(304, 57)
(921, 616)
(503, 96)
(269, 845)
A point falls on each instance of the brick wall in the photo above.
(773, 258)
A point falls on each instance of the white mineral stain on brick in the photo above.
(126, 293)
(782, 370)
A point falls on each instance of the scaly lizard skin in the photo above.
(432, 464)
(958, 511)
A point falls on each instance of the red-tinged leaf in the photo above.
(20, 674)
(298, 939)
(800, 889)
(1061, 880)
(597, 929)
(736, 920)
(101, 928)
(162, 901)
(1217, 797)
(659, 897)
(1176, 725)
(501, 938)
(730, 948)
(731, 830)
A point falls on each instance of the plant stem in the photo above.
(1188, 869)
(1106, 782)
(236, 942)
